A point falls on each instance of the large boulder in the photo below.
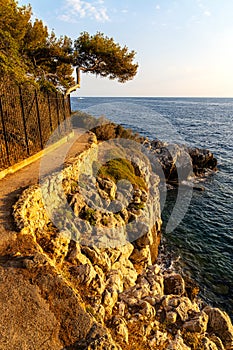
(220, 324)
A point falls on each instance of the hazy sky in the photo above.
(184, 47)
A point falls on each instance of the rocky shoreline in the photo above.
(103, 263)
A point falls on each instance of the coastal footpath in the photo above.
(91, 281)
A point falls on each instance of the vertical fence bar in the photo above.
(64, 113)
(64, 108)
(4, 133)
(50, 115)
(24, 121)
(69, 103)
(38, 118)
(58, 119)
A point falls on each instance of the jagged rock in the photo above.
(181, 305)
(98, 284)
(115, 206)
(74, 254)
(120, 283)
(83, 273)
(109, 300)
(150, 300)
(174, 284)
(159, 340)
(60, 246)
(97, 339)
(207, 344)
(121, 307)
(220, 324)
(217, 341)
(186, 307)
(171, 317)
(198, 323)
(178, 343)
(127, 269)
(77, 203)
(115, 281)
(99, 313)
(202, 159)
(140, 258)
(97, 257)
(147, 309)
(108, 186)
(120, 328)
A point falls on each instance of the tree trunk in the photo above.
(78, 79)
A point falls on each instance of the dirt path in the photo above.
(14, 184)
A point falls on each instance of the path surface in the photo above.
(13, 185)
(29, 318)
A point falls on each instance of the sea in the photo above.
(201, 245)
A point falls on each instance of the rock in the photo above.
(150, 300)
(97, 257)
(120, 328)
(217, 341)
(177, 344)
(171, 317)
(207, 344)
(140, 258)
(97, 284)
(108, 186)
(159, 340)
(75, 256)
(202, 159)
(77, 203)
(83, 273)
(198, 323)
(127, 270)
(181, 305)
(115, 206)
(60, 246)
(115, 281)
(91, 137)
(174, 284)
(121, 308)
(147, 310)
(97, 339)
(220, 324)
(109, 300)
(186, 307)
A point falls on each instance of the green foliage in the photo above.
(100, 55)
(121, 169)
(28, 52)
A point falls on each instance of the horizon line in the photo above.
(86, 96)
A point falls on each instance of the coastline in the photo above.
(128, 291)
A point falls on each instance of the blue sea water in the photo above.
(204, 238)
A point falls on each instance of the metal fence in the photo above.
(28, 118)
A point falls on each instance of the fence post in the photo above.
(24, 121)
(38, 118)
(4, 132)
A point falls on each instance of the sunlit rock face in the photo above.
(103, 250)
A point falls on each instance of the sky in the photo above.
(184, 47)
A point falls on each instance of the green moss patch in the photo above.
(122, 169)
